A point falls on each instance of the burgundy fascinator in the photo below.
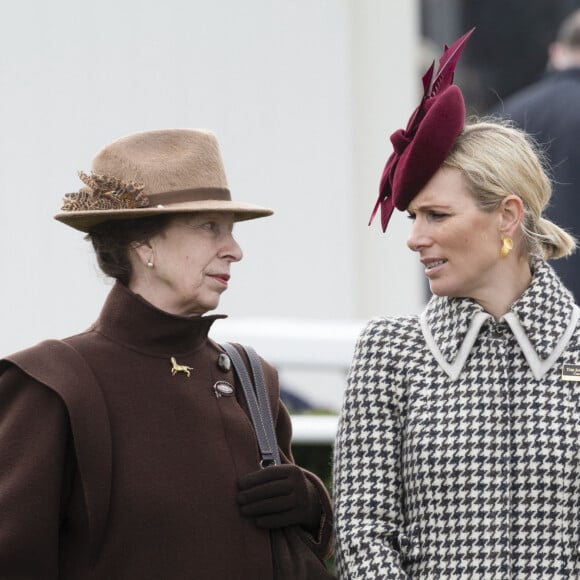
(421, 148)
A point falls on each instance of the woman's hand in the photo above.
(279, 496)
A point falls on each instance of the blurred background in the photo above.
(303, 96)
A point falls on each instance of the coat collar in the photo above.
(542, 320)
(567, 73)
(128, 319)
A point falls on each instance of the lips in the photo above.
(432, 263)
(223, 278)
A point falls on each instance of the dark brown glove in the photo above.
(279, 496)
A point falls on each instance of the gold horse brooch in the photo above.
(177, 368)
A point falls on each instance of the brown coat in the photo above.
(136, 477)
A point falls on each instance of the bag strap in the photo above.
(256, 394)
(263, 400)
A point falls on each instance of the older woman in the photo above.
(126, 451)
(457, 453)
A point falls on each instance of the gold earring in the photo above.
(506, 246)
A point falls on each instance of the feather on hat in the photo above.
(166, 171)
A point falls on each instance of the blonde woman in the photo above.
(457, 449)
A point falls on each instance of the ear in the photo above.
(511, 215)
(554, 51)
(560, 56)
(142, 251)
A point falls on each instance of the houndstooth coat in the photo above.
(457, 452)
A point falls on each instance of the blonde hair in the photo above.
(497, 159)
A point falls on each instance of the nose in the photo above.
(232, 251)
(417, 238)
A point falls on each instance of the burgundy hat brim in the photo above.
(429, 147)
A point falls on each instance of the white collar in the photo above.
(542, 320)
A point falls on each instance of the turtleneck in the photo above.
(129, 320)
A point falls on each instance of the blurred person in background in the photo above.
(456, 454)
(126, 451)
(549, 110)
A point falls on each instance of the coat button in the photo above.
(223, 389)
(224, 363)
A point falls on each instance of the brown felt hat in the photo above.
(154, 173)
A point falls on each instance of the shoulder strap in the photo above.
(257, 398)
(59, 366)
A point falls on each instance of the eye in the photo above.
(437, 215)
(214, 227)
(411, 216)
(209, 226)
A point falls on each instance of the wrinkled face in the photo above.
(457, 242)
(191, 263)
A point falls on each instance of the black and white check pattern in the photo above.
(457, 452)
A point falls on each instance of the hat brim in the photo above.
(84, 221)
